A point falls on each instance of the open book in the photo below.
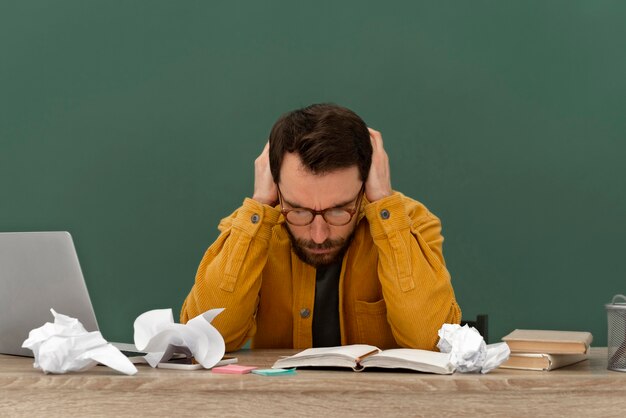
(361, 356)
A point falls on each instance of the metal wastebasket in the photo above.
(616, 316)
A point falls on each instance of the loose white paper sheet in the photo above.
(468, 351)
(65, 346)
(158, 335)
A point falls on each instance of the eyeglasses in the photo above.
(333, 216)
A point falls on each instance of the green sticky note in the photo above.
(274, 372)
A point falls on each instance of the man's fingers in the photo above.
(376, 138)
(377, 141)
(374, 133)
(378, 184)
(264, 154)
(264, 187)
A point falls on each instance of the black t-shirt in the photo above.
(326, 332)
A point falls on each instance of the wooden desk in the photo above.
(585, 389)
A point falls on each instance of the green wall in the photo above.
(134, 125)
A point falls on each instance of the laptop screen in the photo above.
(39, 271)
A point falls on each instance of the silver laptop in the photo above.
(39, 271)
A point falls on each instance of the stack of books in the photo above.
(546, 350)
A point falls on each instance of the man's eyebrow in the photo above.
(293, 205)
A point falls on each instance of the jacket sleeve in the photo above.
(415, 282)
(229, 275)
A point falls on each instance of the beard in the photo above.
(337, 247)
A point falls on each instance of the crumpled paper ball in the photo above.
(468, 351)
(66, 346)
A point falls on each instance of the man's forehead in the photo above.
(292, 166)
(303, 188)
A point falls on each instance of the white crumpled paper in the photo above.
(468, 351)
(158, 335)
(66, 346)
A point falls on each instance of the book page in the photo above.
(341, 356)
(415, 359)
(418, 356)
(354, 351)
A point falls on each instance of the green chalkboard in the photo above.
(134, 125)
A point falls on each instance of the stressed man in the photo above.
(325, 252)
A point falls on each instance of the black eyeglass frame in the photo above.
(322, 212)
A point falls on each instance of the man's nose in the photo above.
(319, 229)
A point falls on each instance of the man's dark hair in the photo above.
(325, 136)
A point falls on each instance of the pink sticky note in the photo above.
(233, 369)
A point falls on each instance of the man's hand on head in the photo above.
(265, 190)
(378, 184)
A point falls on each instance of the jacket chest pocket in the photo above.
(372, 325)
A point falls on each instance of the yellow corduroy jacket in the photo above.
(394, 288)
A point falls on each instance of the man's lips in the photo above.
(320, 250)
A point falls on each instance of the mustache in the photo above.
(326, 245)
